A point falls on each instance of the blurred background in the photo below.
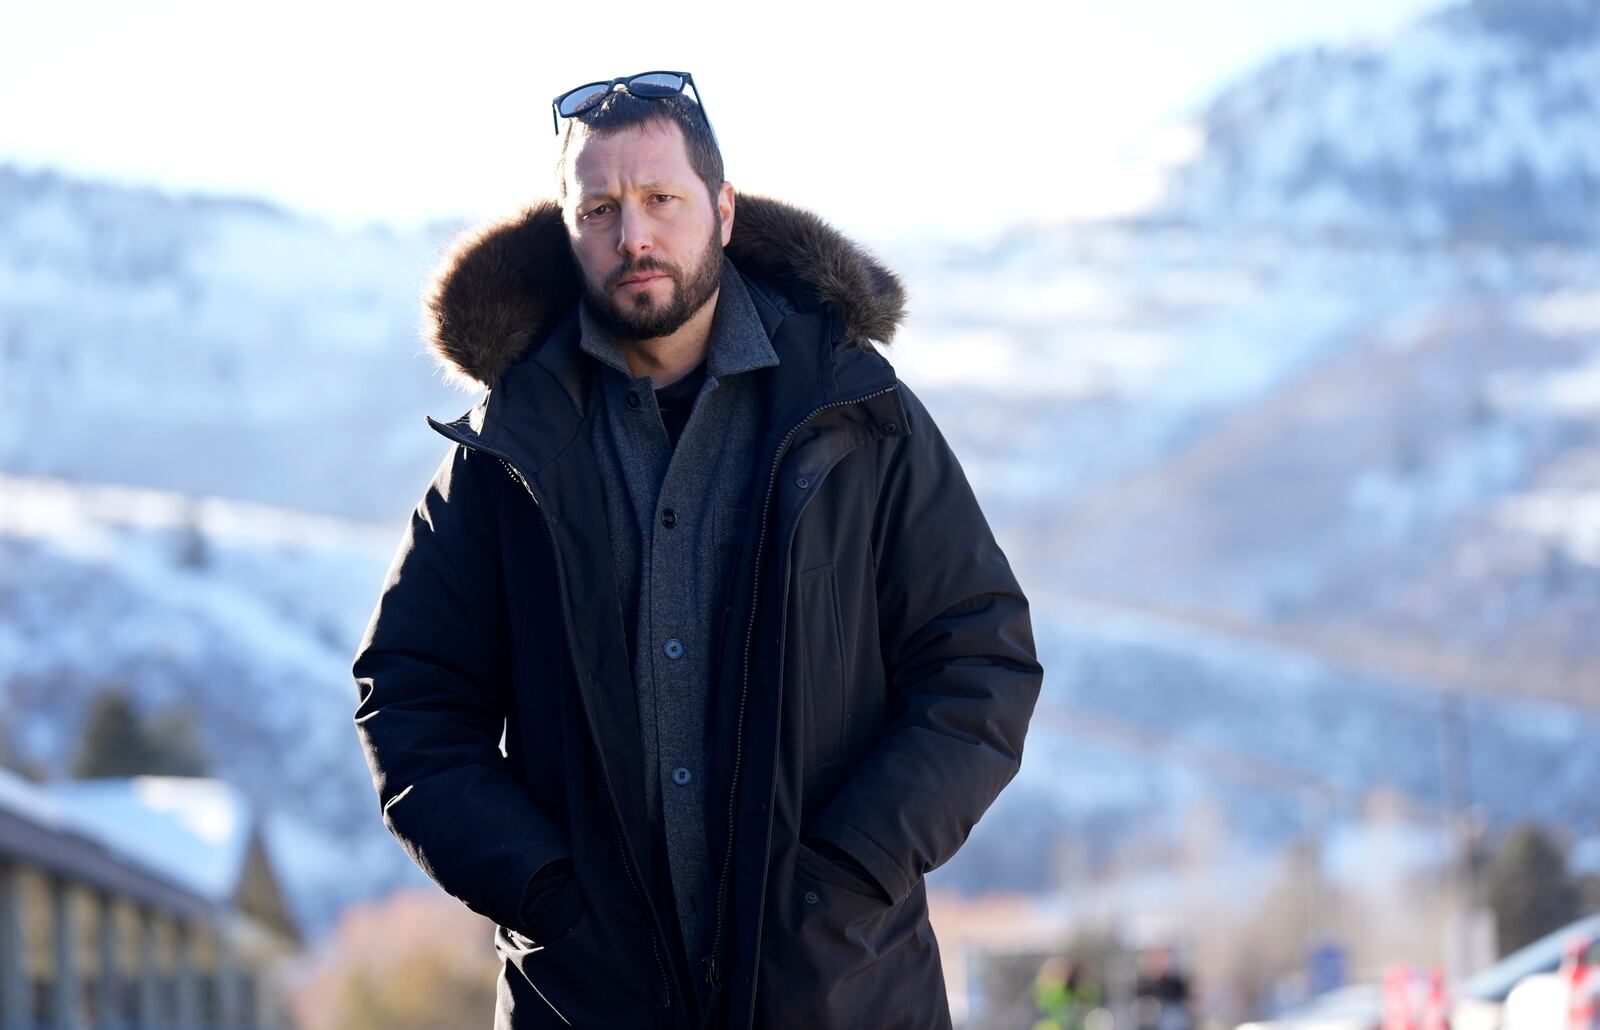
(1269, 336)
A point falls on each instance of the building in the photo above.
(137, 903)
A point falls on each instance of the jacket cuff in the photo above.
(891, 878)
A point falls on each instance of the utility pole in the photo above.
(1463, 893)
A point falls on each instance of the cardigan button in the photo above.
(633, 398)
(673, 648)
(669, 518)
(802, 482)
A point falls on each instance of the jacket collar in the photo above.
(503, 313)
(504, 288)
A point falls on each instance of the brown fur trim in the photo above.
(496, 290)
(774, 240)
(501, 286)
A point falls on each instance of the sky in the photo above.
(890, 120)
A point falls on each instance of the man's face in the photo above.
(644, 231)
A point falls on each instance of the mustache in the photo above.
(644, 264)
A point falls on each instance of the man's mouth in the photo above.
(641, 280)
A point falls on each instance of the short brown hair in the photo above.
(620, 110)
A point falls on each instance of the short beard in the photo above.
(641, 318)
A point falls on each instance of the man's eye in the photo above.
(661, 197)
(598, 209)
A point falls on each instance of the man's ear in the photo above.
(725, 210)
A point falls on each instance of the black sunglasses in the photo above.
(650, 85)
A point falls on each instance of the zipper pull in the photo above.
(710, 962)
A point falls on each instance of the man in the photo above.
(714, 573)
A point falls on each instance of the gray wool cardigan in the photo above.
(676, 517)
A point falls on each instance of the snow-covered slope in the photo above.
(1378, 436)
(211, 346)
(1479, 122)
(1147, 718)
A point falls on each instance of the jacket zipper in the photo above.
(616, 822)
(712, 976)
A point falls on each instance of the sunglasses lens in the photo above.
(583, 98)
(655, 84)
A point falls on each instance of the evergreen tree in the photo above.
(117, 742)
(1529, 888)
(113, 742)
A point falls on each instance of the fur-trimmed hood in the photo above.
(506, 284)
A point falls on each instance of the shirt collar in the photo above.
(738, 342)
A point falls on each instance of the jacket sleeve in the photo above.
(959, 655)
(433, 678)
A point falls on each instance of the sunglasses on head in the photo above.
(649, 85)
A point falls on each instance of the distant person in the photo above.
(713, 571)
(1063, 995)
(1161, 993)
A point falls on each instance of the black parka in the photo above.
(875, 679)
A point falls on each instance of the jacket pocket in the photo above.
(530, 959)
(584, 976)
(835, 957)
(823, 663)
(821, 869)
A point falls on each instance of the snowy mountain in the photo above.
(1377, 450)
(1371, 437)
(1479, 122)
(211, 346)
(1302, 468)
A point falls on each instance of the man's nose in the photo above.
(633, 239)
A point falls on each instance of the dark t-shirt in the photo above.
(677, 400)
